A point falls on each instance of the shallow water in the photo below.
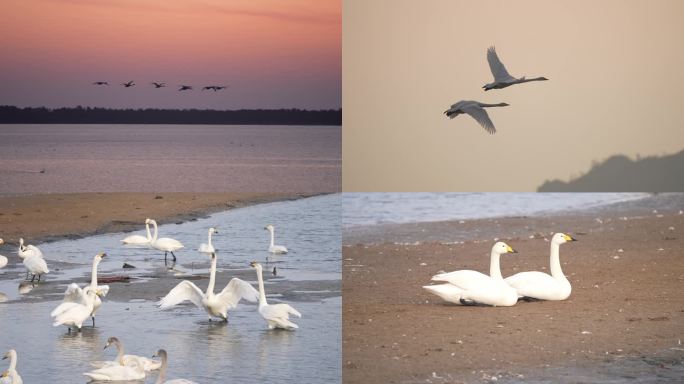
(181, 158)
(242, 351)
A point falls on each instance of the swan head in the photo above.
(100, 256)
(150, 221)
(501, 248)
(111, 341)
(4, 374)
(213, 230)
(255, 265)
(269, 227)
(562, 238)
(161, 354)
(2, 241)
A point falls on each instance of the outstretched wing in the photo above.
(73, 296)
(280, 311)
(235, 290)
(496, 66)
(481, 116)
(185, 290)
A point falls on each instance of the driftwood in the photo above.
(112, 279)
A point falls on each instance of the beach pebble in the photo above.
(681, 212)
(660, 249)
(423, 264)
(671, 228)
(616, 257)
(620, 250)
(463, 221)
(586, 333)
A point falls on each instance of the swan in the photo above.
(101, 83)
(540, 285)
(208, 248)
(132, 371)
(138, 239)
(215, 305)
(276, 315)
(162, 372)
(74, 292)
(28, 250)
(501, 77)
(11, 372)
(476, 110)
(159, 85)
(184, 87)
(472, 287)
(274, 248)
(36, 266)
(77, 312)
(121, 359)
(166, 244)
(129, 84)
(3, 259)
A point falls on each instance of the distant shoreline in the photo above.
(95, 115)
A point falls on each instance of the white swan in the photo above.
(166, 244)
(472, 287)
(11, 372)
(162, 372)
(74, 293)
(540, 285)
(208, 248)
(137, 239)
(3, 259)
(476, 110)
(501, 77)
(276, 315)
(28, 250)
(214, 305)
(274, 248)
(132, 371)
(77, 312)
(122, 359)
(36, 266)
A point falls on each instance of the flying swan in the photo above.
(276, 315)
(121, 359)
(215, 305)
(471, 287)
(540, 285)
(162, 372)
(138, 239)
(166, 244)
(501, 77)
(476, 110)
(208, 248)
(274, 248)
(11, 372)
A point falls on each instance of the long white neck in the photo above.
(212, 276)
(154, 237)
(209, 241)
(494, 267)
(272, 231)
(147, 227)
(93, 276)
(162, 371)
(262, 293)
(556, 270)
(13, 360)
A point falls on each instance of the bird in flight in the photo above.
(502, 78)
(159, 85)
(101, 83)
(476, 110)
(184, 87)
(214, 87)
(129, 84)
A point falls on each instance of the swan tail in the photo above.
(446, 292)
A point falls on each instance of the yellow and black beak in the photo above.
(253, 264)
(510, 250)
(569, 238)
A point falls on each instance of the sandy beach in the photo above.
(626, 305)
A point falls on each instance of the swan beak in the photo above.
(511, 250)
(4, 357)
(569, 238)
(253, 264)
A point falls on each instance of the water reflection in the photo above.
(26, 287)
(3, 297)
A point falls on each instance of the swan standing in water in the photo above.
(476, 110)
(121, 359)
(540, 285)
(166, 244)
(11, 372)
(138, 239)
(208, 248)
(36, 266)
(501, 77)
(276, 315)
(132, 371)
(274, 248)
(471, 287)
(162, 372)
(28, 250)
(74, 293)
(74, 314)
(215, 305)
(3, 259)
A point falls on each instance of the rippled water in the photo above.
(207, 352)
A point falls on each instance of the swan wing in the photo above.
(538, 285)
(480, 115)
(206, 248)
(235, 290)
(36, 265)
(279, 311)
(103, 290)
(34, 250)
(116, 372)
(74, 294)
(496, 66)
(464, 279)
(185, 290)
(135, 239)
(448, 292)
(147, 363)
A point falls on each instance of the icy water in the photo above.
(242, 351)
(182, 158)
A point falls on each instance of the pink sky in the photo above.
(271, 55)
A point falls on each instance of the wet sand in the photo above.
(626, 270)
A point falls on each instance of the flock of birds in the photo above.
(158, 85)
(466, 287)
(502, 79)
(83, 302)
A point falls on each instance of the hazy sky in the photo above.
(616, 87)
(273, 54)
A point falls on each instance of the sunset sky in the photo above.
(272, 54)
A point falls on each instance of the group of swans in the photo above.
(11, 376)
(33, 260)
(166, 244)
(502, 79)
(125, 367)
(468, 287)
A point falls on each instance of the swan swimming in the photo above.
(471, 287)
(3, 259)
(132, 371)
(540, 285)
(274, 248)
(166, 244)
(138, 239)
(28, 250)
(77, 312)
(162, 372)
(215, 305)
(121, 359)
(476, 110)
(501, 77)
(74, 293)
(11, 372)
(208, 248)
(276, 315)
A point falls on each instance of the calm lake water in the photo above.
(182, 158)
(243, 351)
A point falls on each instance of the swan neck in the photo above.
(212, 276)
(93, 276)
(120, 352)
(495, 267)
(272, 231)
(556, 270)
(154, 237)
(209, 241)
(13, 360)
(162, 371)
(147, 228)
(262, 293)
